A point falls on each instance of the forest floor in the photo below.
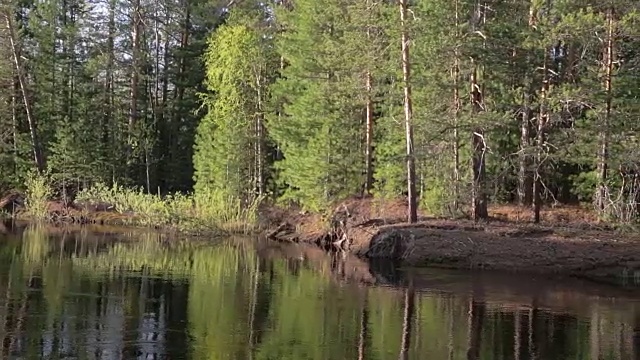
(568, 241)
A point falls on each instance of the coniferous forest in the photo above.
(455, 104)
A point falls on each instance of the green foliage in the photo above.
(437, 198)
(584, 186)
(204, 211)
(271, 99)
(317, 125)
(217, 207)
(37, 195)
(73, 161)
(227, 173)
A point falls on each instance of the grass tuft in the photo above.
(202, 212)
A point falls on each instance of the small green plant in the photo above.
(214, 207)
(38, 193)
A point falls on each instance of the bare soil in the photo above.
(569, 240)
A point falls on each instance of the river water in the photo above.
(98, 294)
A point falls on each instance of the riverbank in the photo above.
(118, 206)
(568, 242)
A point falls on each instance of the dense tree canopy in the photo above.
(529, 101)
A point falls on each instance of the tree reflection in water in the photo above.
(137, 295)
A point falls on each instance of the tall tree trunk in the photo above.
(456, 113)
(164, 125)
(603, 135)
(368, 149)
(260, 171)
(369, 135)
(14, 119)
(156, 89)
(136, 28)
(478, 188)
(22, 81)
(479, 146)
(184, 42)
(525, 176)
(108, 87)
(540, 140)
(524, 173)
(406, 76)
(542, 122)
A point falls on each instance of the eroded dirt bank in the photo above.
(569, 242)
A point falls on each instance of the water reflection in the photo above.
(112, 295)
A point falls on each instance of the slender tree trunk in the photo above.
(108, 87)
(540, 140)
(406, 76)
(156, 91)
(369, 135)
(478, 188)
(15, 52)
(368, 186)
(525, 176)
(14, 119)
(603, 136)
(136, 29)
(479, 209)
(524, 173)
(184, 42)
(163, 120)
(260, 171)
(456, 114)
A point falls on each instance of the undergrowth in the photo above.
(210, 211)
(37, 196)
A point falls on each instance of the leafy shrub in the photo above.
(37, 196)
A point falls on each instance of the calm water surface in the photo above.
(70, 294)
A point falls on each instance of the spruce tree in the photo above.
(320, 123)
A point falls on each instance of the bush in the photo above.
(38, 193)
(437, 198)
